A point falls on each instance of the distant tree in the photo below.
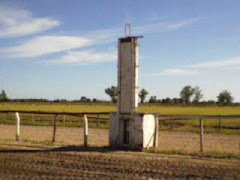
(143, 94)
(112, 92)
(153, 99)
(3, 96)
(186, 94)
(177, 100)
(159, 101)
(167, 100)
(83, 99)
(94, 100)
(225, 97)
(197, 94)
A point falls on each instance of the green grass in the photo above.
(107, 107)
(205, 154)
(229, 126)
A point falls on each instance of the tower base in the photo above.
(134, 132)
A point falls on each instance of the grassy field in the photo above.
(229, 126)
(146, 108)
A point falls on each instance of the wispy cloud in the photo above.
(156, 27)
(194, 69)
(16, 22)
(232, 62)
(43, 45)
(85, 57)
(165, 26)
(176, 72)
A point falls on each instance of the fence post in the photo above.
(98, 119)
(33, 117)
(220, 124)
(7, 116)
(155, 142)
(64, 118)
(17, 126)
(85, 130)
(54, 128)
(201, 135)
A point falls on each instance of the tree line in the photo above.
(187, 95)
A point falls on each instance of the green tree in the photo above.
(153, 99)
(83, 99)
(225, 97)
(198, 95)
(112, 92)
(143, 94)
(186, 93)
(3, 96)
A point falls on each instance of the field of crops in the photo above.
(228, 126)
(101, 107)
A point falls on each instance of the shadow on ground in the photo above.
(64, 149)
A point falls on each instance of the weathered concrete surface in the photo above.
(149, 130)
(128, 75)
(140, 131)
(127, 128)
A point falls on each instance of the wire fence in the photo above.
(188, 134)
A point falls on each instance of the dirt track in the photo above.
(75, 163)
(179, 141)
(33, 158)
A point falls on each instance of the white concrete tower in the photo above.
(128, 75)
(127, 127)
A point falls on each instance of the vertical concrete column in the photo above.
(17, 126)
(128, 75)
(85, 130)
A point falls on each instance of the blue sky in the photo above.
(68, 49)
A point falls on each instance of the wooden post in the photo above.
(98, 119)
(54, 128)
(171, 124)
(7, 116)
(85, 130)
(64, 118)
(17, 126)
(201, 135)
(33, 117)
(155, 142)
(220, 124)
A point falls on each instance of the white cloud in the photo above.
(43, 45)
(112, 34)
(177, 72)
(165, 26)
(232, 62)
(16, 22)
(85, 57)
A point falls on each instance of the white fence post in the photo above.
(64, 118)
(85, 130)
(156, 132)
(17, 126)
(201, 135)
(54, 128)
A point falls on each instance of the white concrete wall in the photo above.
(141, 131)
(114, 130)
(148, 130)
(128, 76)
